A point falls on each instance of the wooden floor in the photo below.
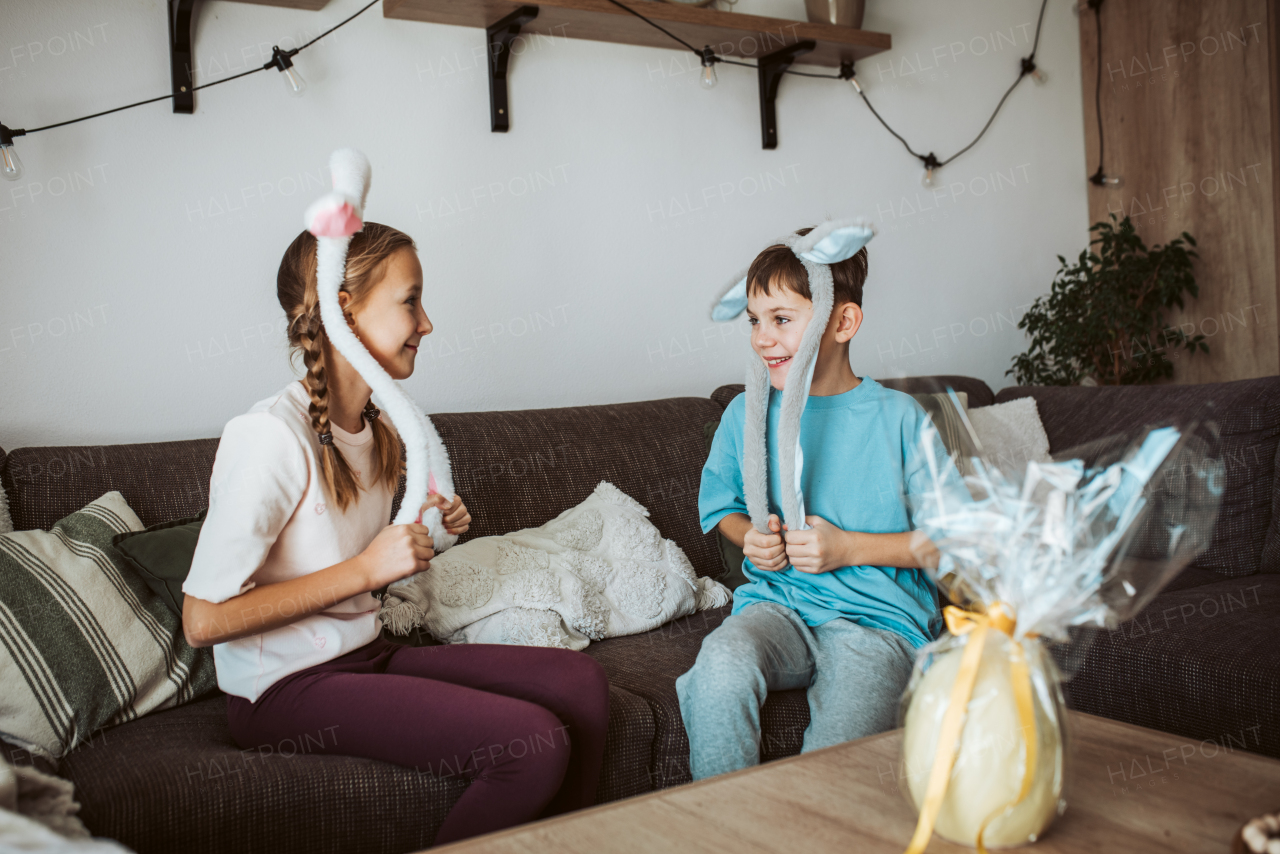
(1130, 790)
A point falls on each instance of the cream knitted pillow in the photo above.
(1011, 435)
(597, 570)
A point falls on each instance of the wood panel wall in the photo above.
(1189, 115)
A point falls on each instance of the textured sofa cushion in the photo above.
(159, 480)
(1198, 662)
(977, 392)
(1248, 415)
(647, 665)
(177, 781)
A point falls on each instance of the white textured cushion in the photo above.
(6, 522)
(1011, 435)
(597, 570)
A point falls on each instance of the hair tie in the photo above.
(326, 438)
(371, 412)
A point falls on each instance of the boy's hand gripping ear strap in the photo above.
(333, 219)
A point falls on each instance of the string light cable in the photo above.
(930, 161)
(1099, 178)
(281, 60)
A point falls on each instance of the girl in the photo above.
(295, 539)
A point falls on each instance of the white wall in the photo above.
(571, 261)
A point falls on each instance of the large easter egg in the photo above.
(989, 766)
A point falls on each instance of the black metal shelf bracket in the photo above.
(501, 35)
(181, 15)
(771, 67)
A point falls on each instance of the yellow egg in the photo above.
(988, 770)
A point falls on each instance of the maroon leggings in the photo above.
(526, 725)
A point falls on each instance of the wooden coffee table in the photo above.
(1130, 789)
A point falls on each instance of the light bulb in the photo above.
(929, 180)
(1115, 182)
(708, 67)
(293, 82)
(856, 86)
(12, 165)
(1039, 76)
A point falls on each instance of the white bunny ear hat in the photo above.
(333, 218)
(827, 244)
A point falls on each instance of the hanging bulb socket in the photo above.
(929, 179)
(709, 60)
(847, 73)
(10, 163)
(282, 61)
(1029, 67)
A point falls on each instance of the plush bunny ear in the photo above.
(351, 174)
(339, 213)
(733, 303)
(835, 241)
(333, 219)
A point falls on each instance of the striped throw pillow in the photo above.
(950, 425)
(84, 643)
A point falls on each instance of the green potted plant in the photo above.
(1103, 320)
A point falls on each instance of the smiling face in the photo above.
(778, 321)
(391, 322)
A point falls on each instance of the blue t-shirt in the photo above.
(861, 458)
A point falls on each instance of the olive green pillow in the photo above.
(162, 555)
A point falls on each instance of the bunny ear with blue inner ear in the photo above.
(836, 241)
(733, 303)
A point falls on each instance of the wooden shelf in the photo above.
(728, 33)
(306, 5)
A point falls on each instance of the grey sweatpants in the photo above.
(855, 677)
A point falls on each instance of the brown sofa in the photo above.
(175, 780)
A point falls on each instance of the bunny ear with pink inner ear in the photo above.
(337, 218)
(333, 219)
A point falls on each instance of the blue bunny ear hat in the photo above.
(825, 245)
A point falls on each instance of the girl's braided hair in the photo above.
(367, 255)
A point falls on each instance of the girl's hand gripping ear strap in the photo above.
(331, 216)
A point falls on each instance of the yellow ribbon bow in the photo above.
(961, 622)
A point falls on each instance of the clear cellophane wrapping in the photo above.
(1032, 559)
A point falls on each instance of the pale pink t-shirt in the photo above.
(270, 520)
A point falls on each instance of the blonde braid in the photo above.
(333, 465)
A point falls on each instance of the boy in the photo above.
(839, 608)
